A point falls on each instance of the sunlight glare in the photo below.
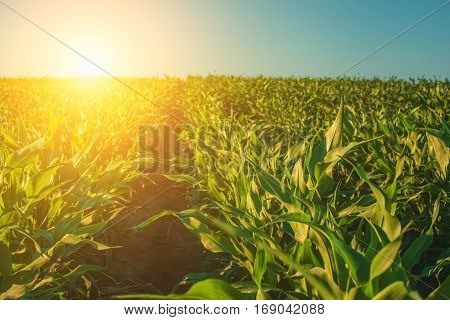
(87, 69)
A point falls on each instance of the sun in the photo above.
(88, 69)
(94, 55)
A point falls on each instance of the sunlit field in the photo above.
(263, 188)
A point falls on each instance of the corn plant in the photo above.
(357, 211)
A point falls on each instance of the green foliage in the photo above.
(332, 189)
(59, 188)
(306, 188)
(210, 289)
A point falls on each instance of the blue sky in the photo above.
(240, 37)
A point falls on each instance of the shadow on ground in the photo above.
(155, 259)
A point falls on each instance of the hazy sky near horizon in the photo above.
(239, 37)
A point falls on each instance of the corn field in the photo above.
(297, 188)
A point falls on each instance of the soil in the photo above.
(155, 259)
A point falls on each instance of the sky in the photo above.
(237, 37)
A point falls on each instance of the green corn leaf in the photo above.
(211, 289)
(335, 133)
(395, 291)
(327, 281)
(81, 270)
(443, 292)
(384, 258)
(22, 157)
(441, 153)
(182, 178)
(415, 251)
(357, 264)
(152, 219)
(41, 180)
(271, 185)
(259, 267)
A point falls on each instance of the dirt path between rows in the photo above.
(155, 259)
